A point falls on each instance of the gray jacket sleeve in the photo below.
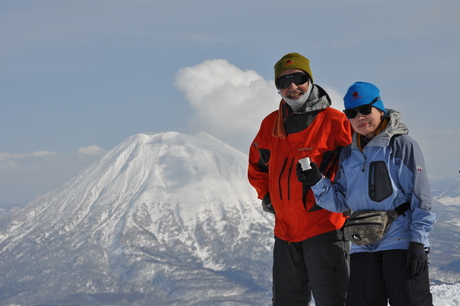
(413, 180)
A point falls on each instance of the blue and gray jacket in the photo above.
(389, 172)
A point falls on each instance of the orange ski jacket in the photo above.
(319, 133)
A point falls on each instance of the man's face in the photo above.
(294, 91)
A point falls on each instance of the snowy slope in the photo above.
(447, 191)
(164, 216)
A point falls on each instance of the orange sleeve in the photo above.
(259, 157)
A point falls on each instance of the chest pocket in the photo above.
(380, 186)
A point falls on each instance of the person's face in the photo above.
(366, 124)
(294, 91)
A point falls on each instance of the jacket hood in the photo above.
(395, 125)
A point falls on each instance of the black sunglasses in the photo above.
(363, 109)
(297, 78)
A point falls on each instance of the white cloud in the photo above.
(90, 150)
(9, 156)
(228, 102)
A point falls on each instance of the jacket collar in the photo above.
(318, 100)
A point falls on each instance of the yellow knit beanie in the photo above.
(293, 61)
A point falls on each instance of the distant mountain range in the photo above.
(445, 237)
(165, 219)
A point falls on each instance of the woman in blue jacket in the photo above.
(382, 169)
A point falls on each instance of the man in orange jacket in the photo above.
(310, 253)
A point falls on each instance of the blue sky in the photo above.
(79, 77)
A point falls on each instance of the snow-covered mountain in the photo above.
(161, 219)
(165, 219)
(447, 191)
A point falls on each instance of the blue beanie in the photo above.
(362, 93)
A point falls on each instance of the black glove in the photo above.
(308, 177)
(267, 204)
(417, 260)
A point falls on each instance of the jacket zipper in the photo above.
(290, 169)
(372, 180)
(289, 179)
(279, 179)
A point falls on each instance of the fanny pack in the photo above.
(369, 226)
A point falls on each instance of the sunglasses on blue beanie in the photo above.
(363, 109)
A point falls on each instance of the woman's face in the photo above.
(366, 124)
